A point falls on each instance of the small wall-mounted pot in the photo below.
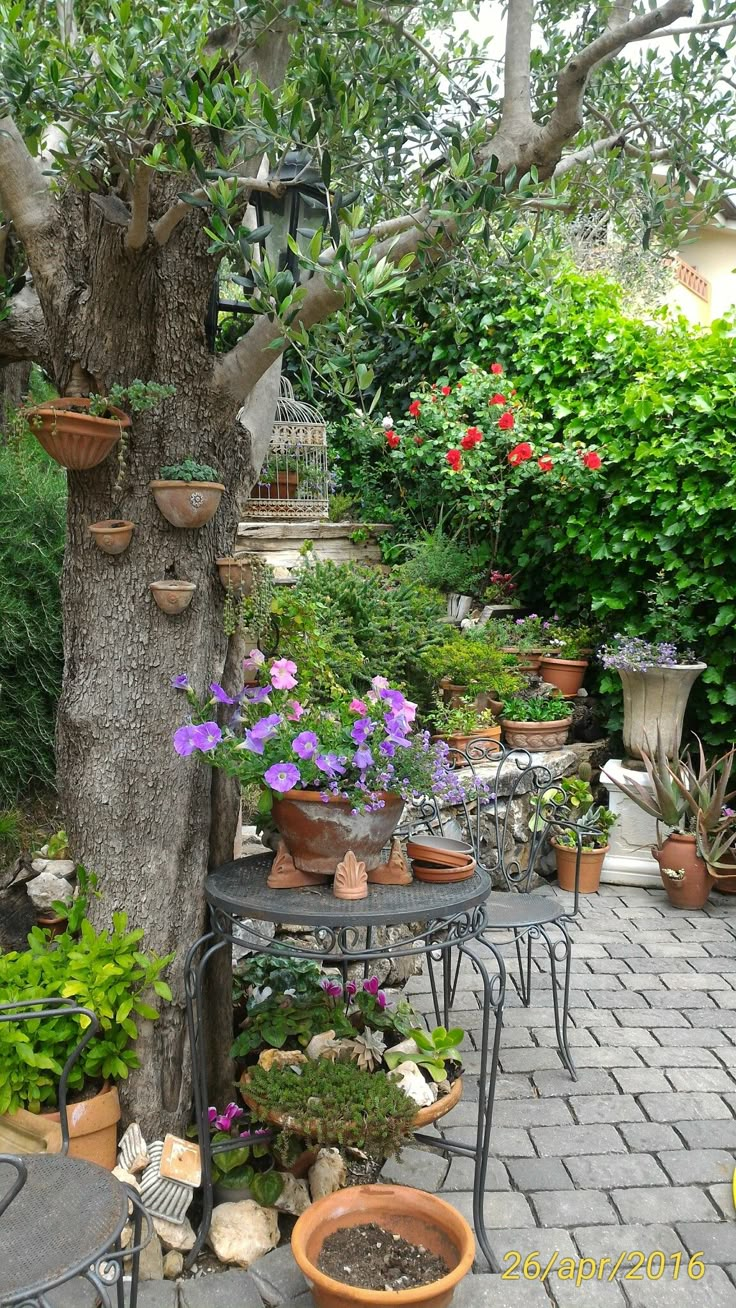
(173, 596)
(236, 575)
(112, 536)
(187, 503)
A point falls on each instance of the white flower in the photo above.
(387, 422)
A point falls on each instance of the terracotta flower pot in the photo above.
(591, 863)
(528, 660)
(93, 1127)
(680, 851)
(173, 596)
(51, 922)
(536, 735)
(419, 1217)
(72, 436)
(567, 675)
(187, 503)
(452, 694)
(722, 881)
(309, 1128)
(112, 536)
(319, 834)
(283, 487)
(235, 575)
(461, 741)
(655, 700)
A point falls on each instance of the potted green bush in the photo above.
(469, 664)
(279, 480)
(540, 722)
(463, 724)
(526, 638)
(80, 431)
(188, 494)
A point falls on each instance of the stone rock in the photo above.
(269, 1058)
(152, 1260)
(126, 1178)
(414, 1085)
(327, 1174)
(60, 867)
(46, 888)
(174, 1235)
(323, 1045)
(133, 1150)
(408, 1046)
(240, 1233)
(173, 1265)
(294, 1197)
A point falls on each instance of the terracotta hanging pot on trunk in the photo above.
(415, 1215)
(591, 863)
(72, 435)
(173, 596)
(187, 503)
(319, 834)
(567, 675)
(93, 1127)
(235, 574)
(112, 536)
(679, 851)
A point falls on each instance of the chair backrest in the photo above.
(31, 1010)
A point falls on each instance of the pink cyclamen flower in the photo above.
(331, 988)
(211, 1114)
(282, 674)
(351, 989)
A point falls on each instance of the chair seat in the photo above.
(67, 1215)
(511, 912)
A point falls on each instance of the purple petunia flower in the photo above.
(331, 764)
(181, 682)
(361, 730)
(219, 694)
(331, 988)
(257, 694)
(254, 744)
(186, 740)
(208, 736)
(305, 745)
(265, 728)
(394, 698)
(362, 758)
(282, 777)
(379, 683)
(282, 674)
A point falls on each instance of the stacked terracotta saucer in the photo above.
(440, 859)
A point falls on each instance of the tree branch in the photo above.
(164, 226)
(26, 200)
(397, 25)
(696, 27)
(137, 233)
(23, 332)
(516, 108)
(589, 152)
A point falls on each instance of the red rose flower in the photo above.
(455, 459)
(592, 460)
(418, 440)
(496, 369)
(506, 422)
(546, 464)
(392, 439)
(497, 399)
(520, 453)
(446, 390)
(415, 408)
(472, 437)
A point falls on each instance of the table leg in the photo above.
(194, 969)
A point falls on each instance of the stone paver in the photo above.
(225, 1290)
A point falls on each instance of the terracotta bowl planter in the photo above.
(309, 1128)
(235, 575)
(93, 1127)
(112, 536)
(319, 834)
(439, 875)
(452, 694)
(536, 735)
(187, 503)
(463, 741)
(420, 1218)
(567, 675)
(680, 851)
(722, 881)
(74, 437)
(591, 863)
(173, 596)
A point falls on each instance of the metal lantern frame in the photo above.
(299, 447)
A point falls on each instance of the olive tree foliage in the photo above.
(133, 140)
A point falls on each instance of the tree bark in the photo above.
(13, 385)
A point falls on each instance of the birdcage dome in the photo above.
(295, 421)
(294, 482)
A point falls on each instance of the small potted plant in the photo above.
(245, 1169)
(464, 724)
(80, 431)
(500, 591)
(565, 662)
(441, 563)
(188, 494)
(578, 824)
(525, 638)
(540, 722)
(279, 480)
(468, 664)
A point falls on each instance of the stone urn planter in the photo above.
(73, 436)
(113, 535)
(679, 854)
(187, 503)
(418, 1217)
(93, 1127)
(567, 675)
(591, 864)
(536, 735)
(173, 596)
(655, 701)
(318, 834)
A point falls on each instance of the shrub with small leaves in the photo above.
(189, 470)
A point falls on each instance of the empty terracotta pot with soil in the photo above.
(113, 535)
(591, 864)
(414, 1215)
(567, 675)
(93, 1127)
(679, 853)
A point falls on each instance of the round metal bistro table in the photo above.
(444, 924)
(64, 1222)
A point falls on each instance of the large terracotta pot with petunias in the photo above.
(334, 777)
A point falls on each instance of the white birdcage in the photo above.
(294, 481)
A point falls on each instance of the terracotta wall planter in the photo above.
(680, 851)
(567, 675)
(187, 503)
(656, 699)
(419, 1217)
(74, 437)
(591, 863)
(93, 1127)
(318, 834)
(113, 535)
(173, 596)
(536, 735)
(235, 575)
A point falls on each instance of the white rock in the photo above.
(152, 1260)
(294, 1197)
(173, 1265)
(62, 867)
(323, 1045)
(40, 864)
(414, 1085)
(328, 1173)
(240, 1233)
(175, 1235)
(46, 888)
(408, 1046)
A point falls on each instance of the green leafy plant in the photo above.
(189, 470)
(574, 642)
(251, 1164)
(571, 802)
(335, 1103)
(538, 708)
(472, 661)
(461, 720)
(138, 396)
(435, 1049)
(442, 563)
(58, 845)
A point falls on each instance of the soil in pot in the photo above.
(376, 1259)
(679, 852)
(591, 863)
(567, 675)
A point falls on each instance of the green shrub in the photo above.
(31, 553)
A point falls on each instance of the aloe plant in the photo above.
(666, 800)
(434, 1050)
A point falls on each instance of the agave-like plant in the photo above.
(707, 796)
(666, 800)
